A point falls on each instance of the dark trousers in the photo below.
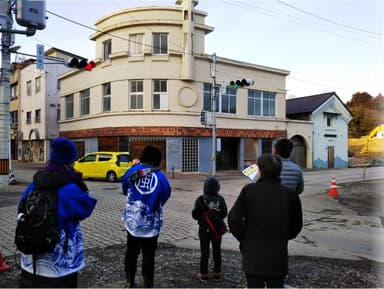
(260, 281)
(28, 280)
(148, 247)
(205, 241)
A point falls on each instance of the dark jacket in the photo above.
(264, 217)
(210, 199)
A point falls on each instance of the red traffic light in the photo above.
(91, 64)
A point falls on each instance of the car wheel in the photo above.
(111, 177)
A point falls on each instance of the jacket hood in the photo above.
(211, 186)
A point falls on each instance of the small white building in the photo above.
(39, 106)
(330, 118)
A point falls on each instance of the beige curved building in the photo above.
(153, 80)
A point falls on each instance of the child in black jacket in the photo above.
(211, 199)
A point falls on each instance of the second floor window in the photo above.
(261, 103)
(228, 101)
(69, 106)
(29, 117)
(14, 91)
(136, 94)
(29, 88)
(160, 43)
(107, 96)
(136, 44)
(107, 49)
(37, 84)
(160, 95)
(37, 116)
(84, 102)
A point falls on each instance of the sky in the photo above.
(326, 45)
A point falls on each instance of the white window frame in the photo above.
(29, 87)
(85, 102)
(106, 96)
(160, 95)
(107, 49)
(136, 44)
(69, 105)
(160, 45)
(37, 84)
(136, 96)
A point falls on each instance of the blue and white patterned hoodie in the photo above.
(146, 196)
(73, 205)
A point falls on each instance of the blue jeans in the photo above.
(260, 281)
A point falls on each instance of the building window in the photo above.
(29, 117)
(29, 88)
(225, 103)
(329, 121)
(37, 84)
(107, 49)
(136, 93)
(228, 101)
(261, 103)
(160, 95)
(84, 102)
(37, 116)
(136, 44)
(69, 106)
(160, 43)
(14, 91)
(14, 119)
(107, 96)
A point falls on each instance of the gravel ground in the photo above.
(175, 266)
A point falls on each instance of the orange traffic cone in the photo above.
(333, 192)
(3, 266)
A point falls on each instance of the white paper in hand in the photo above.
(252, 172)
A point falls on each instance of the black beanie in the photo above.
(211, 186)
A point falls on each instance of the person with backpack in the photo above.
(53, 205)
(209, 201)
(265, 216)
(147, 190)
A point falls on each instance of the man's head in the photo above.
(151, 156)
(63, 151)
(283, 147)
(269, 165)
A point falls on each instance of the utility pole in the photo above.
(213, 107)
(5, 91)
(30, 14)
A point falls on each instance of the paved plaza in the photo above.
(330, 229)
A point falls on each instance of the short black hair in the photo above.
(270, 165)
(151, 156)
(283, 147)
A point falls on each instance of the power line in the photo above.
(328, 20)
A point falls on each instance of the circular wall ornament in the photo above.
(187, 97)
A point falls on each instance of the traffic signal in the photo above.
(241, 83)
(82, 64)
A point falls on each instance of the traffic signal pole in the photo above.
(5, 92)
(213, 107)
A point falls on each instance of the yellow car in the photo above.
(104, 165)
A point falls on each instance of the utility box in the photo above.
(31, 13)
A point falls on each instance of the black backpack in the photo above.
(214, 222)
(36, 230)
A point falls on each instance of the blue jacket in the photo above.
(292, 176)
(146, 196)
(73, 205)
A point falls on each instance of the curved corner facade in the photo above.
(152, 82)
